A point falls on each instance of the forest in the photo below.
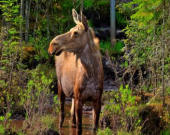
(136, 64)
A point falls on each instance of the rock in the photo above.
(51, 132)
(104, 32)
(87, 108)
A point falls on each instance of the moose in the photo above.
(79, 70)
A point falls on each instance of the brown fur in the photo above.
(79, 70)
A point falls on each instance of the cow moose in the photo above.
(79, 70)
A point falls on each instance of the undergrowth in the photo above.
(112, 50)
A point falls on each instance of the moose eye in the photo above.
(76, 33)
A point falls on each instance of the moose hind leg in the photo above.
(73, 116)
(62, 102)
(96, 112)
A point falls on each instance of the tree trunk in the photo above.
(163, 56)
(22, 14)
(48, 19)
(81, 8)
(112, 21)
(27, 14)
(73, 4)
(36, 19)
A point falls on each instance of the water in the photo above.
(67, 129)
(87, 123)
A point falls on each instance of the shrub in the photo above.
(37, 99)
(106, 131)
(122, 109)
(40, 45)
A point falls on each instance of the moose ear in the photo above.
(76, 16)
(84, 21)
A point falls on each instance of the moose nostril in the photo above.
(53, 53)
(53, 47)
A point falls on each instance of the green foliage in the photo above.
(36, 99)
(106, 131)
(120, 20)
(10, 65)
(125, 9)
(135, 132)
(48, 69)
(144, 13)
(11, 48)
(40, 45)
(165, 132)
(118, 47)
(48, 121)
(2, 128)
(3, 123)
(147, 43)
(36, 96)
(106, 46)
(88, 3)
(103, 2)
(126, 102)
(122, 108)
(42, 124)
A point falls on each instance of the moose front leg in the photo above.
(62, 102)
(73, 116)
(96, 112)
(78, 112)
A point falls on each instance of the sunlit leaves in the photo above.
(2, 129)
(36, 98)
(123, 106)
(146, 12)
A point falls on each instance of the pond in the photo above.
(87, 123)
(67, 129)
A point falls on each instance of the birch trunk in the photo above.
(112, 21)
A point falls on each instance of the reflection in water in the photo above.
(67, 129)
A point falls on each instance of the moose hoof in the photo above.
(61, 123)
(95, 128)
(79, 132)
(73, 125)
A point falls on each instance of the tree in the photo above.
(27, 14)
(81, 8)
(147, 44)
(112, 21)
(22, 15)
(9, 63)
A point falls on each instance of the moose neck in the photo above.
(88, 59)
(89, 55)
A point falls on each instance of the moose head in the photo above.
(74, 40)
